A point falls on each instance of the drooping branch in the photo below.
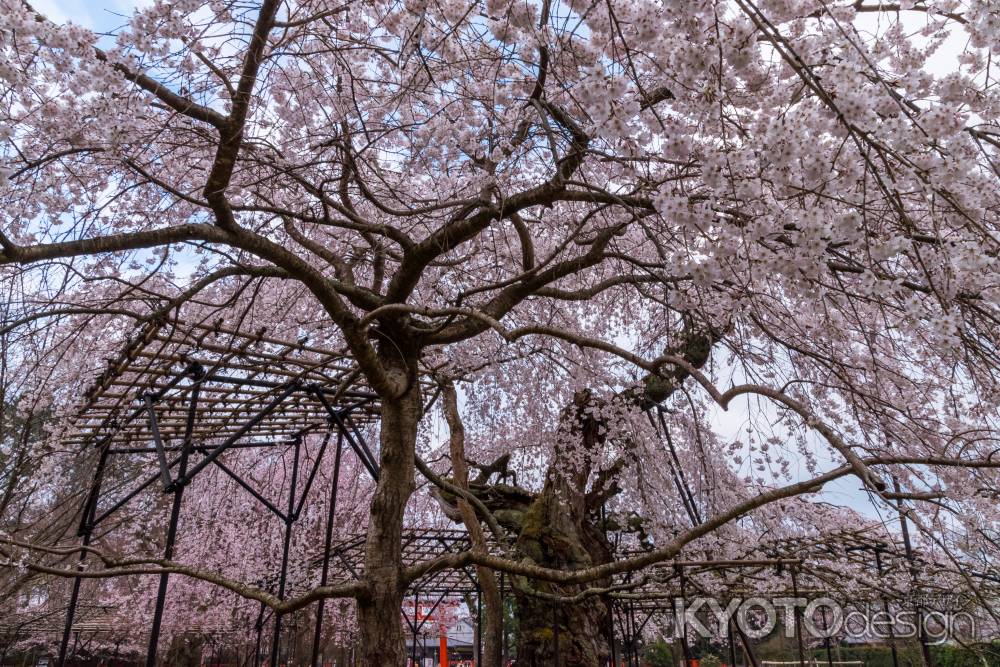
(122, 567)
(178, 103)
(674, 547)
(486, 578)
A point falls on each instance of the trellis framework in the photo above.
(655, 592)
(183, 394)
(436, 587)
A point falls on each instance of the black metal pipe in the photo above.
(684, 635)
(328, 541)
(361, 449)
(627, 635)
(611, 634)
(416, 611)
(283, 578)
(361, 441)
(925, 650)
(274, 384)
(826, 630)
(797, 613)
(431, 610)
(161, 456)
(197, 448)
(71, 609)
(219, 449)
(732, 642)
(252, 491)
(885, 608)
(312, 475)
(260, 628)
(132, 494)
(175, 514)
(85, 530)
(634, 632)
(677, 473)
(616, 617)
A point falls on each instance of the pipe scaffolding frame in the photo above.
(193, 392)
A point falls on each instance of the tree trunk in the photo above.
(492, 620)
(559, 527)
(379, 616)
(491, 631)
(559, 530)
(556, 535)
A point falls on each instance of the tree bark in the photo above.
(492, 631)
(570, 634)
(560, 527)
(379, 616)
(560, 530)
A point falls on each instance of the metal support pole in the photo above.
(684, 634)
(86, 530)
(175, 515)
(635, 634)
(885, 608)
(611, 633)
(633, 648)
(798, 619)
(355, 441)
(732, 642)
(416, 613)
(326, 550)
(628, 636)
(925, 650)
(826, 630)
(749, 657)
(71, 610)
(623, 626)
(283, 577)
(161, 455)
(260, 628)
(625, 658)
(242, 431)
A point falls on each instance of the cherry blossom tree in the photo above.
(582, 214)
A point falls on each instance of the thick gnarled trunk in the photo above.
(558, 534)
(559, 530)
(379, 617)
